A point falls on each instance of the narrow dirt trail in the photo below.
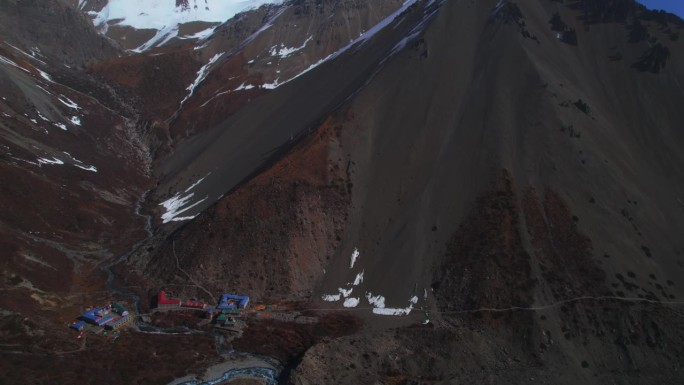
(523, 308)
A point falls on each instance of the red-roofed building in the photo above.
(193, 304)
(163, 301)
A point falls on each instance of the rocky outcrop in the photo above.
(48, 29)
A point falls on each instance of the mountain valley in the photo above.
(409, 192)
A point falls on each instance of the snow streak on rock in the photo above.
(160, 38)
(283, 51)
(201, 34)
(381, 25)
(244, 86)
(50, 161)
(179, 204)
(201, 75)
(354, 257)
(87, 168)
(359, 279)
(80, 164)
(13, 64)
(430, 11)
(44, 75)
(266, 26)
(362, 39)
(68, 102)
(271, 86)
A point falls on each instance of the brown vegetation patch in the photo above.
(159, 81)
(564, 254)
(178, 319)
(215, 100)
(34, 264)
(486, 264)
(278, 231)
(130, 359)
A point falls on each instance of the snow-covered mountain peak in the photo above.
(165, 16)
(157, 14)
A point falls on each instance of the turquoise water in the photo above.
(267, 374)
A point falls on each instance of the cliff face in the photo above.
(55, 30)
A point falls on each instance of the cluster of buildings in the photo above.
(165, 301)
(226, 302)
(114, 316)
(231, 301)
(110, 317)
(228, 308)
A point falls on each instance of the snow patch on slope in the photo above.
(380, 308)
(244, 86)
(351, 302)
(44, 75)
(180, 203)
(160, 38)
(345, 292)
(330, 297)
(377, 301)
(283, 51)
(359, 279)
(354, 257)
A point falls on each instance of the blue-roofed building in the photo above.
(104, 320)
(231, 301)
(79, 325)
(112, 316)
(90, 317)
(95, 315)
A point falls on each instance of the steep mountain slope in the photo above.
(588, 207)
(520, 163)
(460, 192)
(187, 90)
(74, 172)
